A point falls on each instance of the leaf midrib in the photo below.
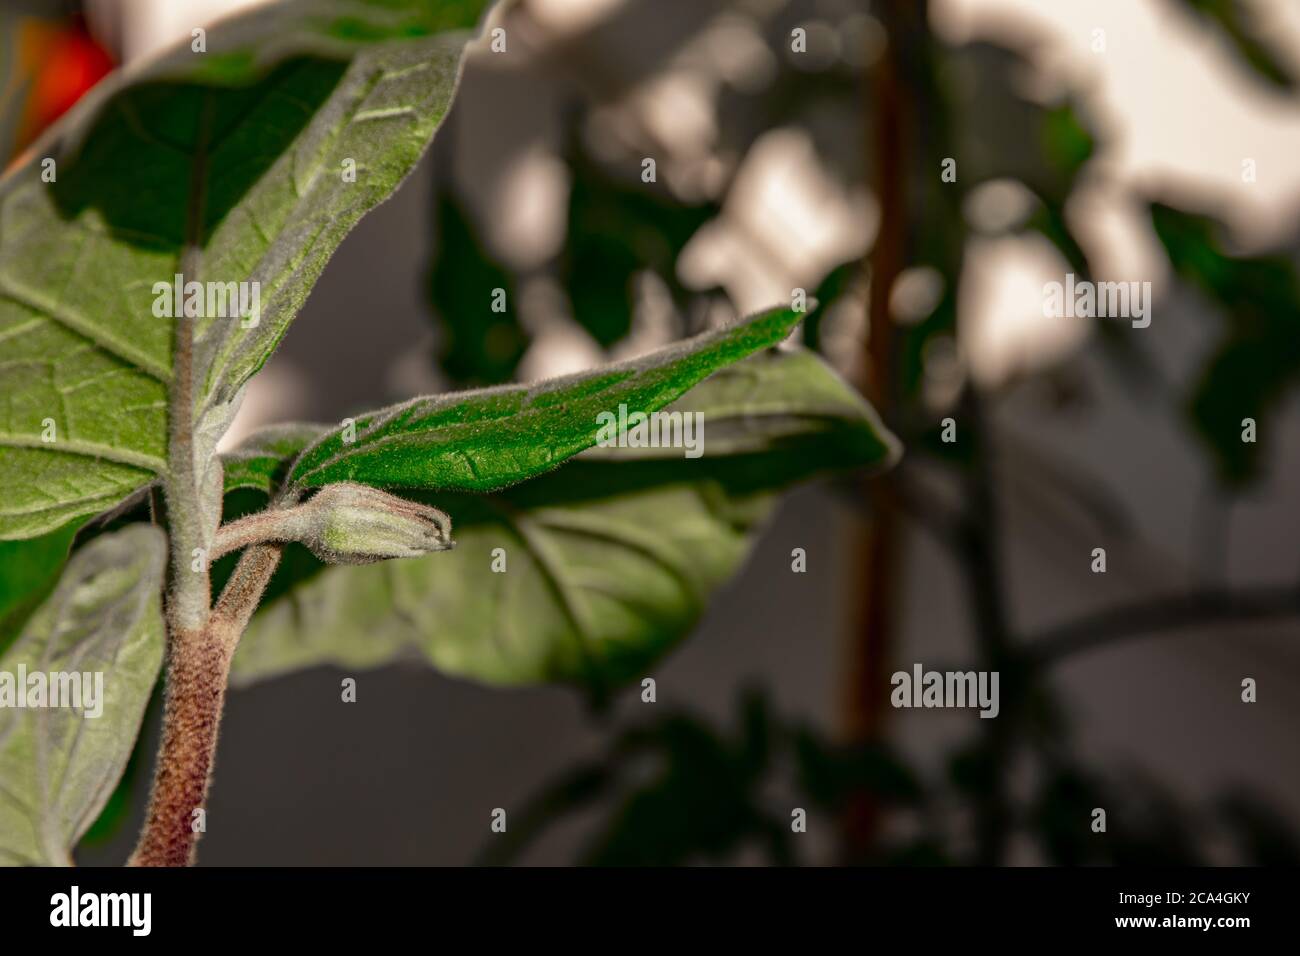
(223, 360)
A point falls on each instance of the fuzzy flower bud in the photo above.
(348, 523)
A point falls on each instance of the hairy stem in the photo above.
(244, 590)
(197, 657)
(197, 660)
(264, 527)
(198, 667)
(190, 591)
(187, 518)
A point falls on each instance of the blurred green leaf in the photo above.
(683, 793)
(701, 803)
(618, 228)
(978, 116)
(835, 284)
(1258, 359)
(1067, 142)
(29, 569)
(481, 340)
(1233, 18)
(998, 133)
(831, 774)
(1144, 825)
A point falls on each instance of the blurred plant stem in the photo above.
(888, 113)
(908, 137)
(981, 564)
(1150, 617)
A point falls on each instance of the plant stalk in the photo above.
(198, 663)
(866, 688)
(198, 669)
(198, 658)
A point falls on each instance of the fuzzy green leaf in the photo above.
(488, 439)
(58, 767)
(228, 166)
(608, 560)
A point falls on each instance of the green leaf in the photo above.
(999, 133)
(226, 166)
(262, 460)
(58, 767)
(834, 284)
(618, 227)
(591, 590)
(609, 560)
(487, 439)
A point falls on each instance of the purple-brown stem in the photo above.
(198, 666)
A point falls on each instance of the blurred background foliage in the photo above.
(684, 791)
(882, 104)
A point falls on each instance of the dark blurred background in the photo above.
(1108, 139)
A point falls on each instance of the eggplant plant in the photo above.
(154, 248)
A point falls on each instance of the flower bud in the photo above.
(348, 523)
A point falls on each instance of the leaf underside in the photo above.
(58, 767)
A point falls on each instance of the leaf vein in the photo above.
(122, 456)
(87, 330)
